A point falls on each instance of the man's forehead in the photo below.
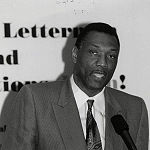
(96, 34)
(96, 39)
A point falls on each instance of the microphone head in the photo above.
(119, 124)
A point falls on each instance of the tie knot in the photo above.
(90, 103)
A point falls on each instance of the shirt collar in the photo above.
(81, 97)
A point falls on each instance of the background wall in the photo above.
(36, 37)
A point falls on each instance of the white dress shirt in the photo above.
(98, 109)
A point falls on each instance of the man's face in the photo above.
(95, 60)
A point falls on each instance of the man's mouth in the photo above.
(98, 74)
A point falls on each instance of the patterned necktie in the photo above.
(93, 140)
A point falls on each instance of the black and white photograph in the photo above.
(74, 74)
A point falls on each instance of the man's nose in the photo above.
(102, 61)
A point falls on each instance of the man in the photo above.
(76, 113)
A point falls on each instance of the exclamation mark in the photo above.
(122, 78)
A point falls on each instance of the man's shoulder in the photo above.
(45, 86)
(124, 97)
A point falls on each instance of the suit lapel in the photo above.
(68, 119)
(69, 122)
(112, 140)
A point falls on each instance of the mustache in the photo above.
(99, 71)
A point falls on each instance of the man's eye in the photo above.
(112, 56)
(93, 52)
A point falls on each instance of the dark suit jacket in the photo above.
(45, 117)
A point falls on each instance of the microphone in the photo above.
(122, 128)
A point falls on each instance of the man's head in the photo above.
(95, 57)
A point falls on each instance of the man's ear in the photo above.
(74, 54)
